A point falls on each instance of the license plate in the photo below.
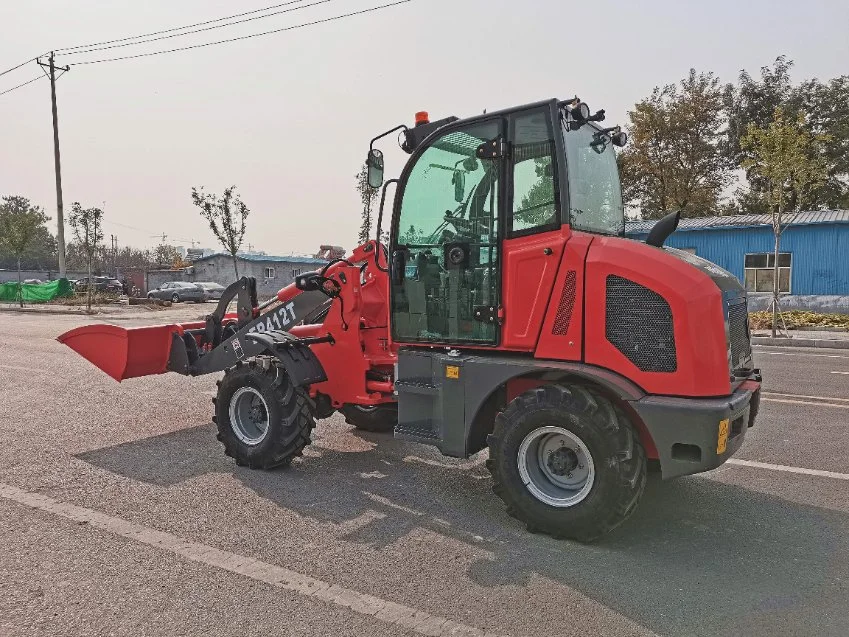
(722, 440)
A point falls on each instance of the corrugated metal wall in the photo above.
(820, 252)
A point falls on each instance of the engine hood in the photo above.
(728, 284)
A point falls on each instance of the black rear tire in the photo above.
(618, 461)
(289, 419)
(379, 418)
(175, 298)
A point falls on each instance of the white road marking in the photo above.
(369, 605)
(804, 402)
(839, 372)
(801, 354)
(775, 393)
(781, 467)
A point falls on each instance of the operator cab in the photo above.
(470, 185)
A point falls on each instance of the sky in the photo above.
(287, 117)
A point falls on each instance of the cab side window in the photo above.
(535, 205)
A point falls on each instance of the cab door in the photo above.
(534, 237)
(445, 245)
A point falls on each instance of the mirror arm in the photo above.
(380, 214)
(389, 132)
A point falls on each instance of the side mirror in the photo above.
(459, 181)
(374, 161)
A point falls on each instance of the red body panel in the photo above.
(561, 336)
(527, 279)
(697, 316)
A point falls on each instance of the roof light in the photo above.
(422, 118)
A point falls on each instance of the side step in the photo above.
(419, 401)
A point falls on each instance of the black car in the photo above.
(100, 284)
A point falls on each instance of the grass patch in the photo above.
(798, 318)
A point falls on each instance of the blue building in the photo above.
(813, 259)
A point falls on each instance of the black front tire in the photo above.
(290, 421)
(618, 459)
(175, 298)
(379, 418)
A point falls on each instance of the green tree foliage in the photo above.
(673, 160)
(87, 225)
(536, 206)
(787, 160)
(412, 236)
(20, 222)
(824, 106)
(368, 197)
(226, 216)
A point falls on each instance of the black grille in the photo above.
(638, 322)
(738, 336)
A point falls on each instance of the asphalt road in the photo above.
(120, 515)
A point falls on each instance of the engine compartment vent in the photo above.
(567, 302)
(739, 342)
(638, 322)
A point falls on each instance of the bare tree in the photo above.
(226, 218)
(86, 224)
(20, 222)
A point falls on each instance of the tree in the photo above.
(86, 225)
(368, 197)
(19, 225)
(826, 110)
(753, 102)
(825, 107)
(226, 218)
(165, 254)
(673, 160)
(788, 161)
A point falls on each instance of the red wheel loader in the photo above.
(507, 312)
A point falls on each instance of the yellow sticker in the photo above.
(452, 371)
(722, 441)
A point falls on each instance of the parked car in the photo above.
(32, 281)
(176, 291)
(213, 290)
(100, 284)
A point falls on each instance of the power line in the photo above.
(217, 26)
(19, 65)
(246, 37)
(14, 88)
(188, 26)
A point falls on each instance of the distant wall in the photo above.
(44, 275)
(220, 270)
(814, 302)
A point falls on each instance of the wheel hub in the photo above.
(562, 461)
(249, 415)
(556, 466)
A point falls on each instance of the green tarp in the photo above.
(36, 292)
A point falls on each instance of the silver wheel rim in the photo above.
(249, 415)
(556, 466)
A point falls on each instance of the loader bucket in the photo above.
(123, 353)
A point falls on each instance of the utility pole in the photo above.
(114, 240)
(60, 217)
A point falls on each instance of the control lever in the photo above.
(398, 266)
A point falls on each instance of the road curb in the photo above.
(38, 310)
(800, 342)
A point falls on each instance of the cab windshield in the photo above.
(595, 195)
